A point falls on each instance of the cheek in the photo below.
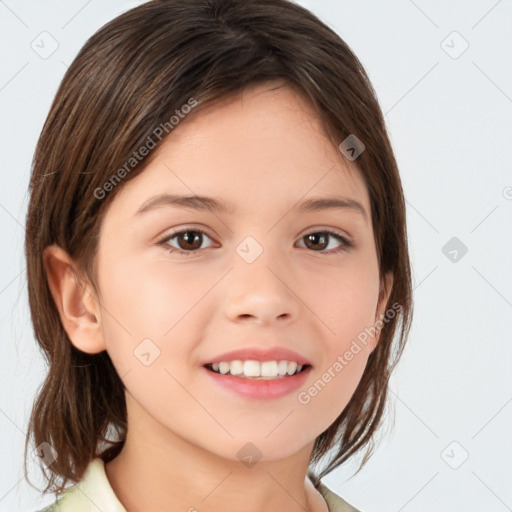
(148, 299)
(148, 314)
(346, 302)
(329, 393)
(346, 307)
(153, 301)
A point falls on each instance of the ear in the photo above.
(382, 303)
(78, 307)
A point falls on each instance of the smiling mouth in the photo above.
(215, 369)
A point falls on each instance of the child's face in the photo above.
(262, 155)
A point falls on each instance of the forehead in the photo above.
(262, 147)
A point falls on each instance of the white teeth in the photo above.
(283, 367)
(292, 366)
(223, 368)
(252, 368)
(269, 369)
(236, 367)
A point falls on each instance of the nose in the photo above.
(261, 292)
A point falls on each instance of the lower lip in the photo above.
(260, 389)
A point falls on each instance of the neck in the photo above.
(165, 472)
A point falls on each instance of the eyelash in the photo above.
(345, 243)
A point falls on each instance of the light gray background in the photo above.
(448, 112)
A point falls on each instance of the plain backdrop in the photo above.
(443, 75)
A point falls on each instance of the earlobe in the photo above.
(380, 313)
(78, 308)
(385, 292)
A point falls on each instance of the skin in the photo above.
(263, 151)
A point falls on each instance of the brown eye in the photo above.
(189, 241)
(318, 241)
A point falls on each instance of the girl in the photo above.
(217, 263)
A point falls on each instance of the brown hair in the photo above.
(128, 79)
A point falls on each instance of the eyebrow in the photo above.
(204, 203)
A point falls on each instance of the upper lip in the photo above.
(259, 354)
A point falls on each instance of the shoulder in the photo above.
(91, 494)
(50, 508)
(335, 503)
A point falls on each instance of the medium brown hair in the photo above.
(128, 79)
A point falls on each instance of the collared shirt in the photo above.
(94, 493)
